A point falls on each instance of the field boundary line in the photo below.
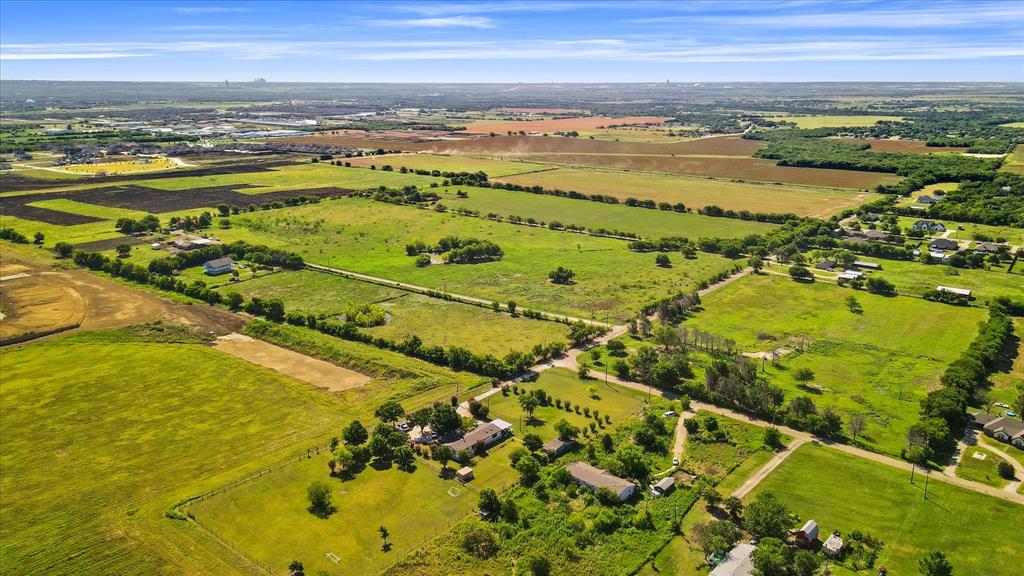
(434, 293)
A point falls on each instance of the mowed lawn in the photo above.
(435, 321)
(447, 163)
(879, 363)
(846, 493)
(370, 237)
(101, 433)
(645, 223)
(268, 517)
(565, 385)
(697, 192)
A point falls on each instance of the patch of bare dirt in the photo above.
(319, 373)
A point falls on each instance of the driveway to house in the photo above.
(768, 468)
(1018, 468)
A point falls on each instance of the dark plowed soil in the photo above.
(150, 200)
(111, 243)
(37, 214)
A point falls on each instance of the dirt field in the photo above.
(562, 124)
(34, 304)
(753, 169)
(15, 206)
(330, 377)
(46, 299)
(146, 199)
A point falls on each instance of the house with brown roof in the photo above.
(586, 475)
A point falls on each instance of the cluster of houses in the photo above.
(1002, 428)
(854, 272)
(738, 561)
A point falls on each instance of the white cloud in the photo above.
(68, 56)
(446, 22)
(656, 50)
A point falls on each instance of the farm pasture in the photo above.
(559, 124)
(369, 237)
(880, 501)
(733, 168)
(834, 120)
(646, 223)
(373, 498)
(878, 363)
(435, 321)
(445, 163)
(698, 192)
(97, 446)
(502, 146)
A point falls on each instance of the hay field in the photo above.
(113, 166)
(835, 120)
(516, 145)
(445, 163)
(102, 433)
(561, 124)
(436, 322)
(698, 192)
(733, 168)
(646, 223)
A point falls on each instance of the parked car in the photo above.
(669, 414)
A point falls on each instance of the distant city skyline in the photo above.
(515, 41)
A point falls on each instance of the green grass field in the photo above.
(698, 192)
(446, 163)
(370, 237)
(830, 120)
(643, 222)
(879, 363)
(102, 433)
(435, 321)
(845, 493)
(1015, 161)
(374, 498)
(75, 207)
(562, 384)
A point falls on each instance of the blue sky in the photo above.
(514, 41)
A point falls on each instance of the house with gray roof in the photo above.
(586, 475)
(1006, 429)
